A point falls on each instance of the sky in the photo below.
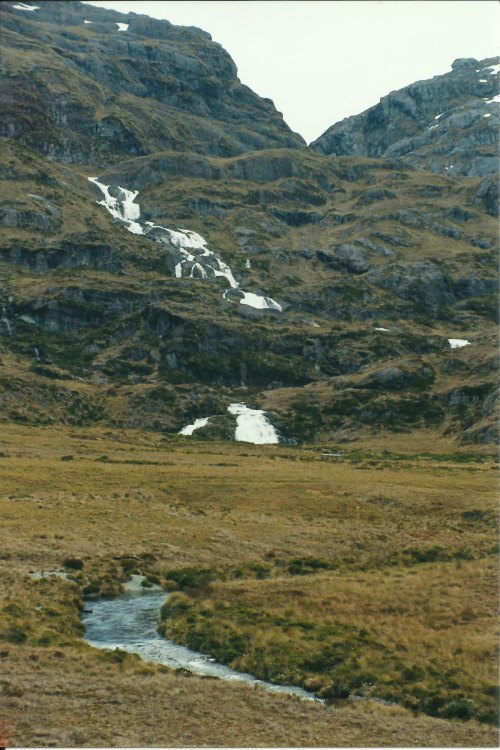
(323, 60)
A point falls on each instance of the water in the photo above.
(129, 623)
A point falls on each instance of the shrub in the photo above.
(176, 604)
(16, 635)
(73, 563)
(463, 708)
(334, 690)
(191, 578)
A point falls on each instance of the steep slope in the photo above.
(79, 87)
(156, 287)
(446, 124)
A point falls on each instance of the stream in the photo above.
(129, 623)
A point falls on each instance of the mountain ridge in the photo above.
(430, 123)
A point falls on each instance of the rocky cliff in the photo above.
(447, 124)
(169, 247)
(85, 85)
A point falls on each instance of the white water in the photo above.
(129, 623)
(252, 426)
(190, 428)
(4, 319)
(123, 207)
(197, 261)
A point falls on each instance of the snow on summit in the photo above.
(24, 6)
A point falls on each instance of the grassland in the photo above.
(372, 573)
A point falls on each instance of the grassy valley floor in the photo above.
(371, 574)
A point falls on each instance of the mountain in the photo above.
(170, 249)
(79, 88)
(448, 124)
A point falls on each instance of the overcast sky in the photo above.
(321, 60)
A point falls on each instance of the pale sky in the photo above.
(323, 60)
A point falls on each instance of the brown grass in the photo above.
(175, 503)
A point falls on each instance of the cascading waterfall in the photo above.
(196, 260)
(252, 426)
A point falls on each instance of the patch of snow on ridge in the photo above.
(252, 426)
(190, 428)
(495, 100)
(23, 6)
(382, 329)
(87, 22)
(487, 115)
(438, 116)
(493, 69)
(122, 26)
(458, 343)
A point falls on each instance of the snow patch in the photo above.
(247, 263)
(190, 428)
(487, 115)
(381, 329)
(483, 80)
(438, 116)
(87, 22)
(433, 126)
(493, 69)
(122, 26)
(458, 343)
(252, 426)
(495, 100)
(23, 6)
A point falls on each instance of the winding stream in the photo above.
(129, 623)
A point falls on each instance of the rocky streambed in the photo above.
(129, 623)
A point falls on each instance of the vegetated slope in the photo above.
(374, 264)
(446, 124)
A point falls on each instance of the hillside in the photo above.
(213, 258)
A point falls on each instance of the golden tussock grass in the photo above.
(390, 555)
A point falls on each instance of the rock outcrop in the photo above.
(447, 124)
(78, 89)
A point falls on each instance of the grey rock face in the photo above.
(106, 95)
(346, 257)
(421, 281)
(487, 194)
(446, 124)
